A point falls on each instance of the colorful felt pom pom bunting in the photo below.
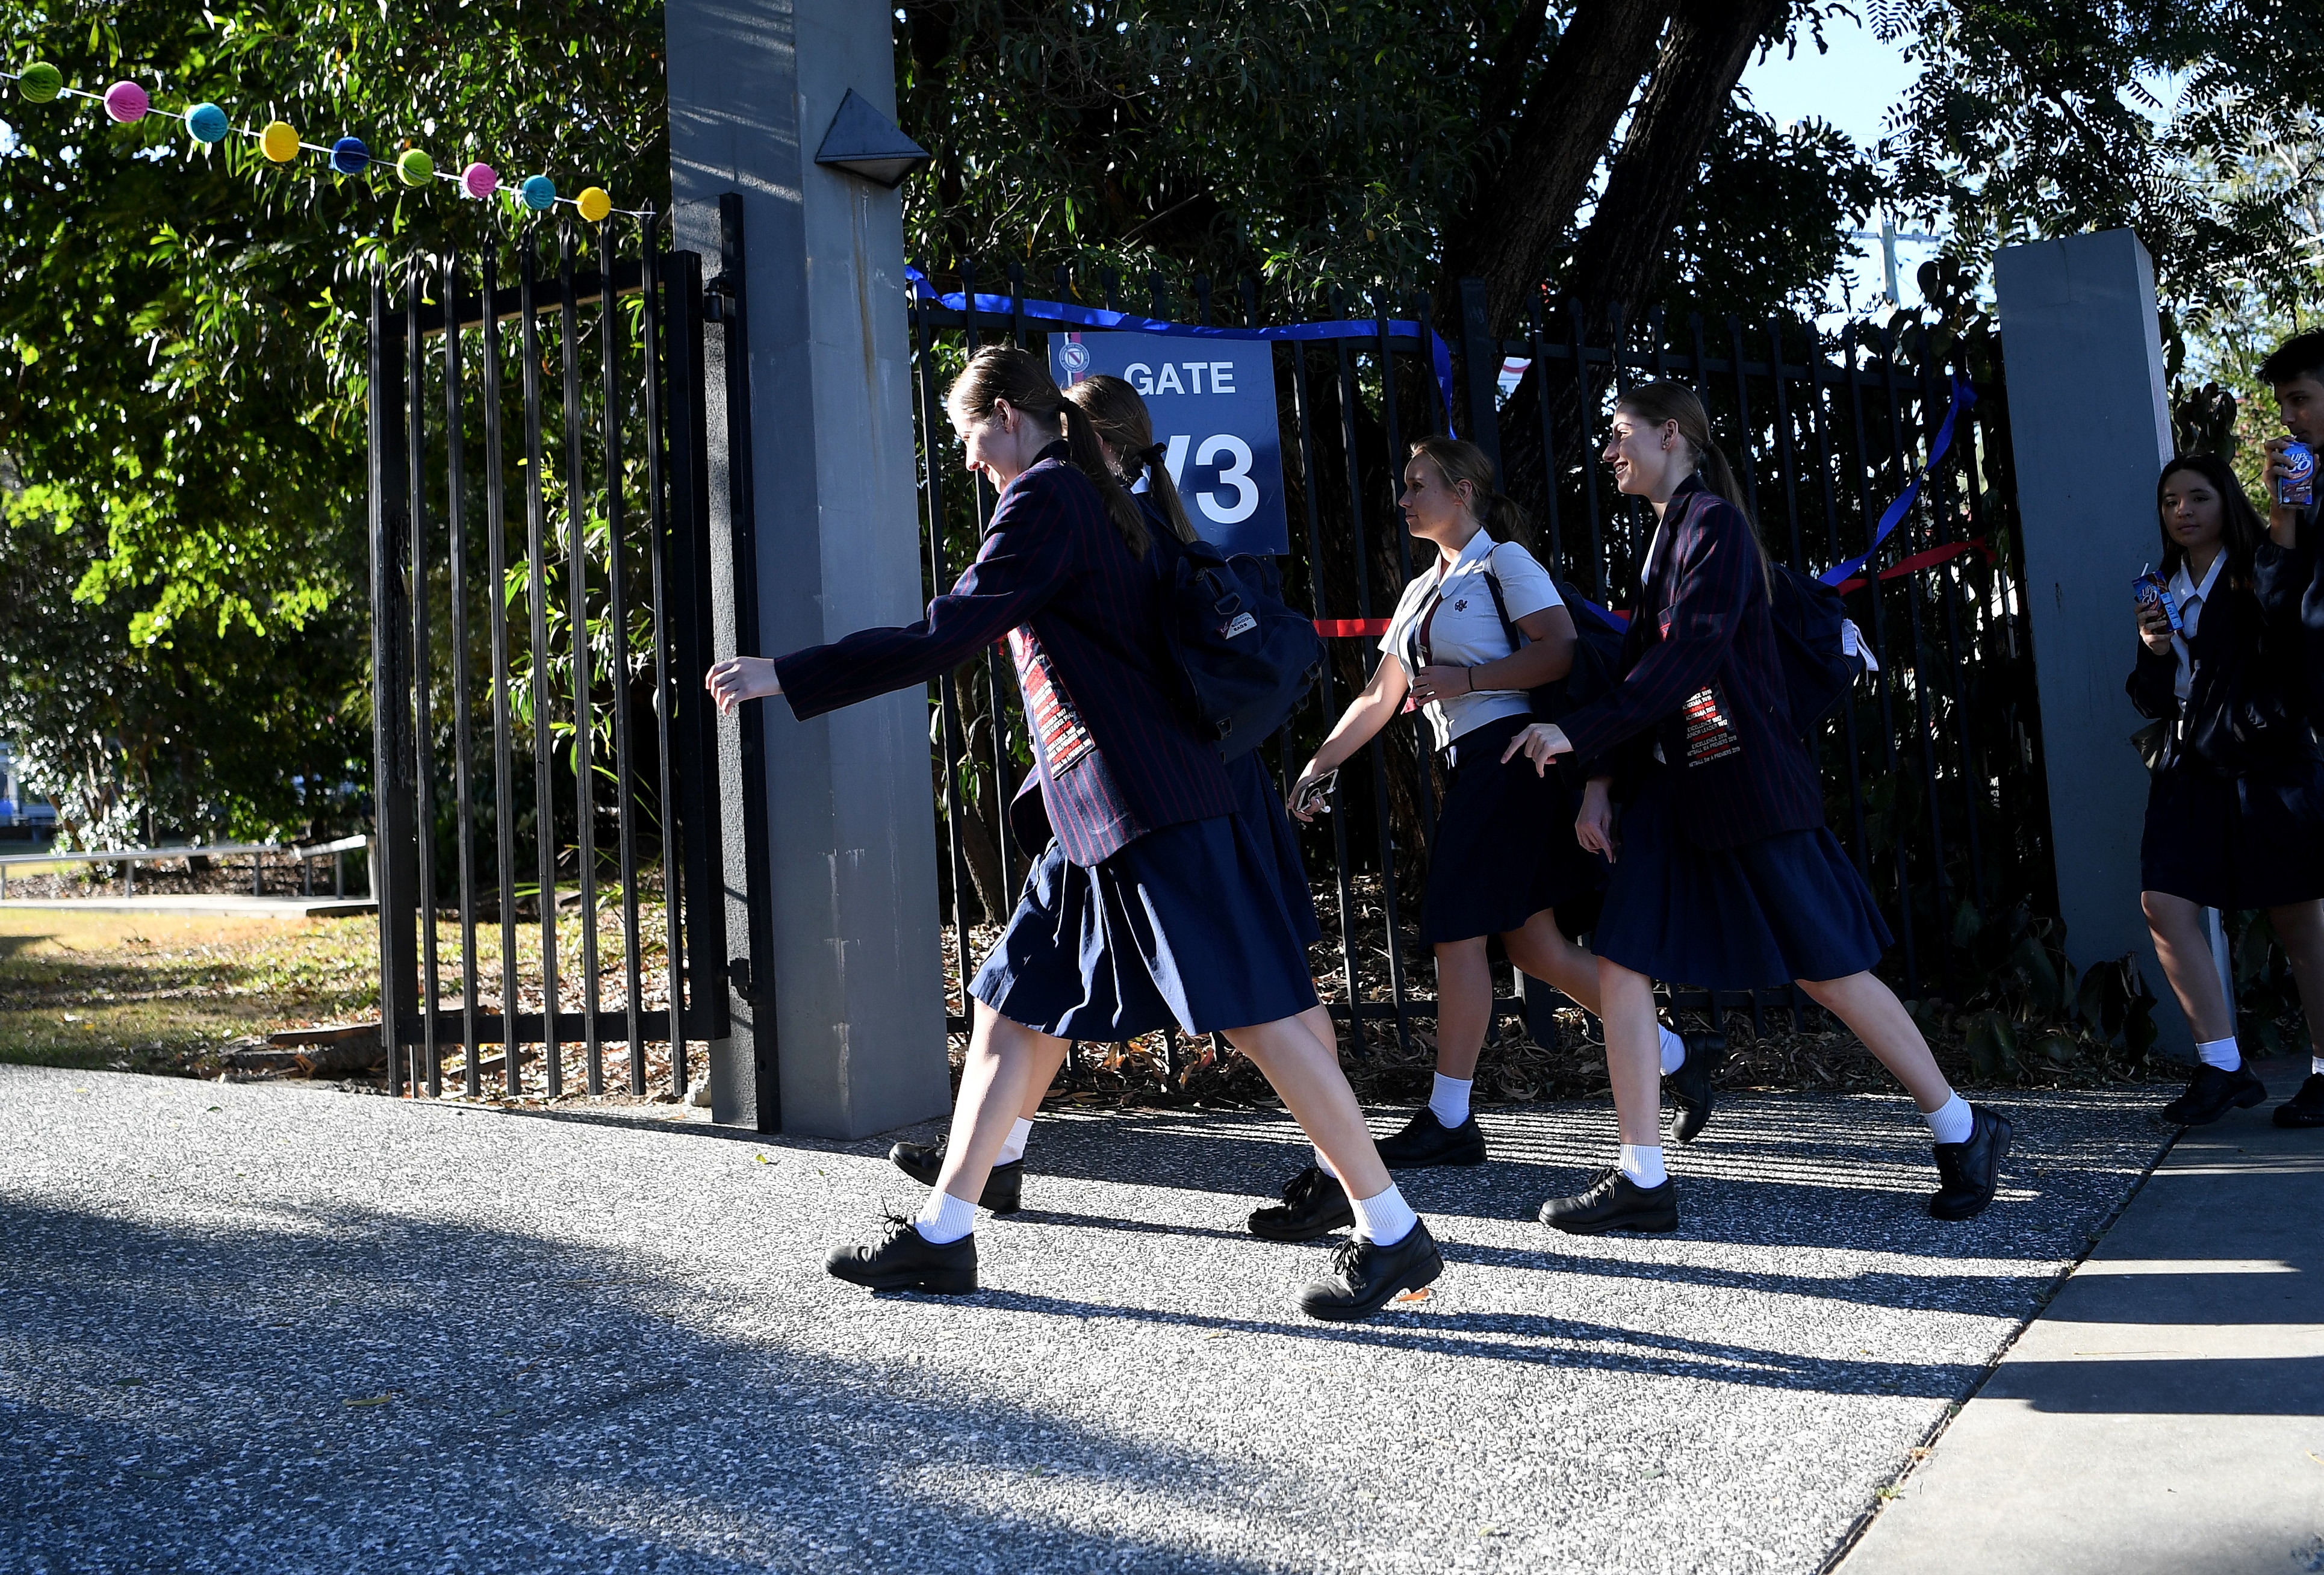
(127, 102)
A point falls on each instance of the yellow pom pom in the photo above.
(594, 204)
(279, 142)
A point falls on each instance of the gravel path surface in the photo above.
(264, 1327)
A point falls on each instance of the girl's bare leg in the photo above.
(2185, 946)
(2300, 925)
(1006, 1060)
(1874, 1015)
(1634, 1051)
(1305, 1071)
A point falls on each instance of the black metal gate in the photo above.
(578, 847)
(1932, 774)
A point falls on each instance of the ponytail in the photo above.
(1116, 414)
(1460, 462)
(1004, 371)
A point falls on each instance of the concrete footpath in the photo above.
(273, 1326)
(2165, 1412)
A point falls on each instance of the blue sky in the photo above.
(1854, 87)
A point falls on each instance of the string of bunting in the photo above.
(127, 102)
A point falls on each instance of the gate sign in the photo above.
(1213, 404)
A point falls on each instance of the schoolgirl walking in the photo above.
(1471, 636)
(1149, 904)
(1124, 429)
(1724, 872)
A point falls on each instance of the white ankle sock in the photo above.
(1385, 1218)
(1673, 1052)
(1450, 1099)
(1325, 1166)
(1013, 1150)
(1952, 1121)
(2220, 1053)
(945, 1217)
(1643, 1164)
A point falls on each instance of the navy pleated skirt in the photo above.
(1787, 907)
(2254, 841)
(1505, 848)
(1260, 808)
(1186, 925)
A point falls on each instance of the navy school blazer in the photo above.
(1700, 677)
(1114, 756)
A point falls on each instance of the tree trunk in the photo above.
(1510, 230)
(1620, 257)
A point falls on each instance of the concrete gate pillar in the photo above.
(2090, 424)
(837, 830)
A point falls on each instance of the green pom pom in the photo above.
(41, 82)
(415, 168)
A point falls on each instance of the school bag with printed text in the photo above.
(1246, 660)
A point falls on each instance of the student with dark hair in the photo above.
(2235, 813)
(1151, 904)
(1725, 874)
(1124, 429)
(1471, 636)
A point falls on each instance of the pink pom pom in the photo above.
(479, 180)
(126, 101)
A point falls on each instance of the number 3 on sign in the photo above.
(1236, 474)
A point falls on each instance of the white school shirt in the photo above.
(2190, 598)
(1467, 631)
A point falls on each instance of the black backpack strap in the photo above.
(1517, 640)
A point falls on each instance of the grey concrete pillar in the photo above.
(840, 818)
(2090, 424)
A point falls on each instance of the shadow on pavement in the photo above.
(348, 1390)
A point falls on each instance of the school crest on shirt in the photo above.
(1710, 736)
(1058, 728)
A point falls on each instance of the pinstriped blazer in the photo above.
(1115, 755)
(1701, 677)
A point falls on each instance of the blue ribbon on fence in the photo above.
(1963, 396)
(1081, 317)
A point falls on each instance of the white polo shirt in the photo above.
(1454, 607)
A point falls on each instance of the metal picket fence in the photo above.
(1932, 773)
(541, 615)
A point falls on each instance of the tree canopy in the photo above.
(178, 326)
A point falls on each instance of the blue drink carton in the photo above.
(2153, 590)
(2295, 476)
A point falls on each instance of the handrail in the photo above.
(305, 853)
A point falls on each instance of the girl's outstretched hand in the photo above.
(739, 678)
(1541, 742)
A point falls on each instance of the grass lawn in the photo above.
(166, 992)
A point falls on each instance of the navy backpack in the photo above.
(1247, 659)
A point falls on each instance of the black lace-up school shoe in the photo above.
(2306, 1108)
(924, 1162)
(903, 1259)
(1969, 1172)
(1313, 1204)
(2212, 1093)
(1365, 1274)
(1689, 1085)
(1425, 1140)
(1614, 1203)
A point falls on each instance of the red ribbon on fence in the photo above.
(1921, 560)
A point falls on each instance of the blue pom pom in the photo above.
(349, 156)
(208, 122)
(540, 193)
